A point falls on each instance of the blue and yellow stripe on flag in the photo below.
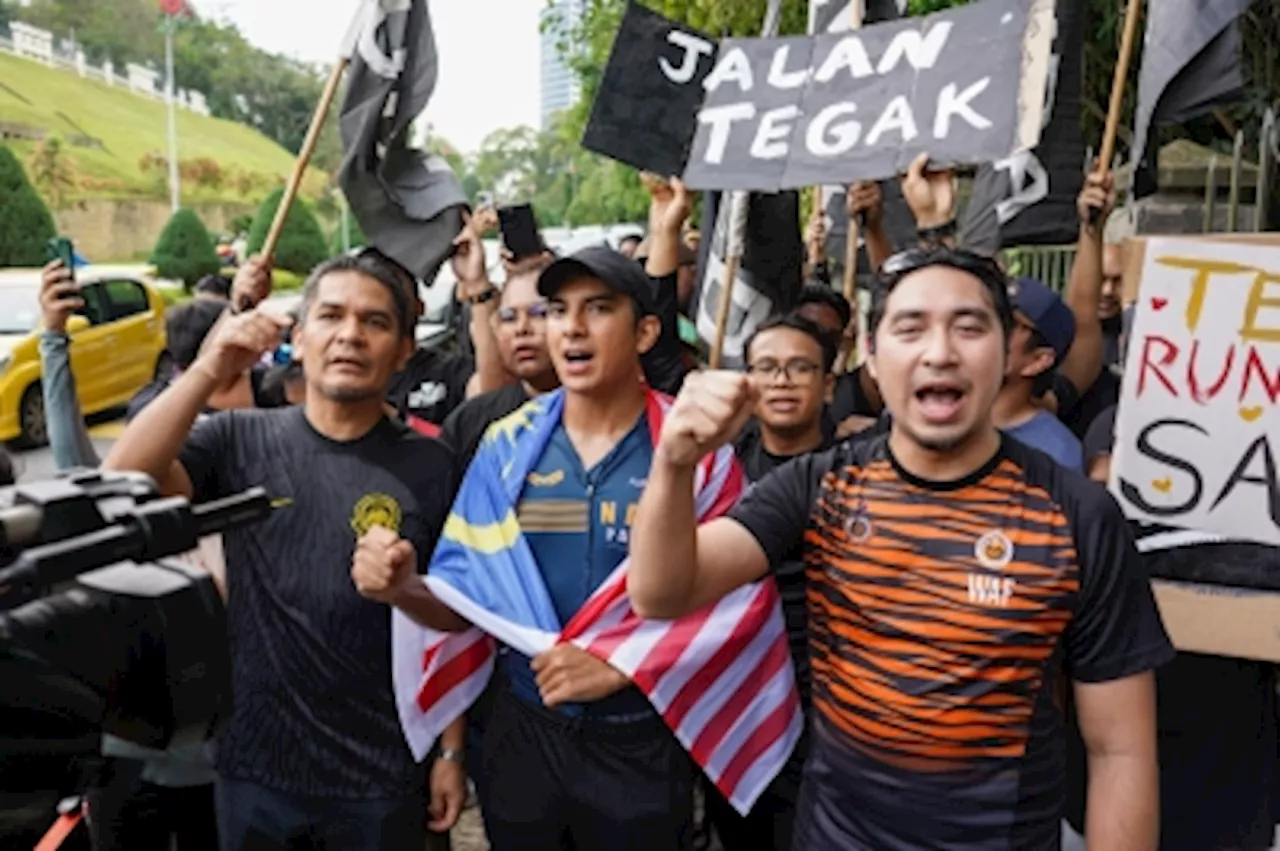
(482, 552)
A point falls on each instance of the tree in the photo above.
(185, 252)
(53, 171)
(302, 243)
(25, 224)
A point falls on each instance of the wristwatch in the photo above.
(451, 755)
(483, 298)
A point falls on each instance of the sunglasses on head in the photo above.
(914, 259)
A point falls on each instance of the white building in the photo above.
(560, 86)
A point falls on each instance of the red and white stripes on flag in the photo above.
(721, 678)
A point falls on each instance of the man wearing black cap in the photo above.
(1043, 332)
(574, 755)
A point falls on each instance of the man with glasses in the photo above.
(789, 361)
(953, 575)
(1043, 331)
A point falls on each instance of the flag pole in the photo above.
(734, 238)
(305, 154)
(1131, 15)
(170, 93)
(853, 235)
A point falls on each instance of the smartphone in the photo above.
(61, 248)
(520, 231)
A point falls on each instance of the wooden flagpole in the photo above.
(304, 155)
(1131, 15)
(739, 204)
(736, 214)
(853, 235)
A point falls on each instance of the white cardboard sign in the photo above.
(1198, 431)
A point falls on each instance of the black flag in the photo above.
(769, 277)
(1030, 197)
(1190, 64)
(407, 203)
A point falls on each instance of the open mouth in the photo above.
(577, 361)
(940, 401)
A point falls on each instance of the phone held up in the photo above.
(61, 248)
(520, 231)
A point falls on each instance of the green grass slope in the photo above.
(131, 126)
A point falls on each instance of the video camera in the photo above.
(101, 630)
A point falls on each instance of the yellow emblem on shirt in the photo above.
(549, 480)
(375, 509)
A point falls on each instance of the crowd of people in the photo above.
(972, 632)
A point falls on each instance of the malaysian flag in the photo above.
(721, 678)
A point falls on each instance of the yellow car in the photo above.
(117, 347)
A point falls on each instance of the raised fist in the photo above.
(711, 409)
(382, 564)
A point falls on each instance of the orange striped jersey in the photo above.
(941, 616)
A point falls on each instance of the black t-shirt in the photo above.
(313, 712)
(849, 399)
(664, 366)
(1084, 408)
(940, 616)
(431, 385)
(467, 424)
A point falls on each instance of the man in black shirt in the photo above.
(433, 383)
(519, 329)
(788, 360)
(855, 398)
(952, 576)
(312, 750)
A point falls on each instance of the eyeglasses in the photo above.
(797, 371)
(511, 315)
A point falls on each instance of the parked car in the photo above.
(117, 347)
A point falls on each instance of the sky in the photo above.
(488, 54)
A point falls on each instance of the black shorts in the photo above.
(552, 782)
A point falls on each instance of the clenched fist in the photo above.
(711, 409)
(383, 563)
(567, 674)
(237, 342)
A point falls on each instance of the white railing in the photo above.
(36, 45)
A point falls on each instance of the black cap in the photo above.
(620, 274)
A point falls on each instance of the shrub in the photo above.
(302, 244)
(185, 252)
(25, 224)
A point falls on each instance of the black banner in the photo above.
(646, 109)
(1030, 197)
(794, 112)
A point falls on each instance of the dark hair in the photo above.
(186, 328)
(899, 266)
(829, 343)
(6, 469)
(821, 294)
(215, 285)
(407, 278)
(372, 266)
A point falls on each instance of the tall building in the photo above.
(560, 87)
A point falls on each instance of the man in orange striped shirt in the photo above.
(953, 576)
